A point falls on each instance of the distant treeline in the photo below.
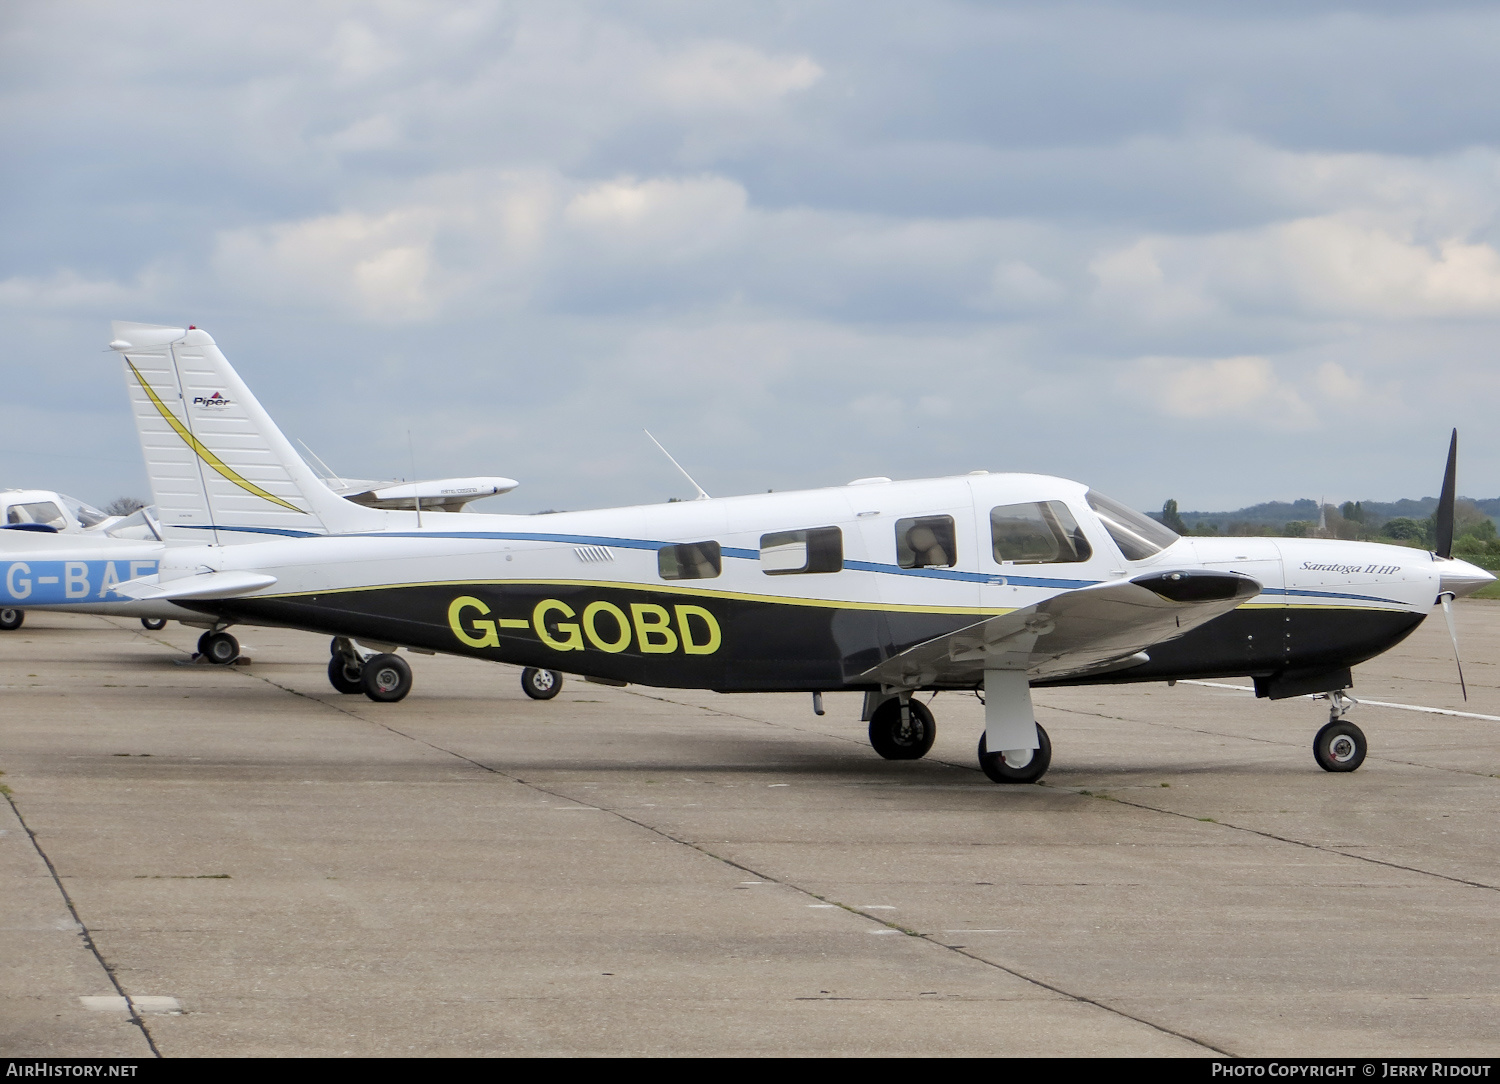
(1409, 522)
(1279, 513)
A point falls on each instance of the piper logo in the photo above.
(212, 401)
(691, 630)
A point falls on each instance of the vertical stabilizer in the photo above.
(220, 469)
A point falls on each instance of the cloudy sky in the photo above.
(1212, 251)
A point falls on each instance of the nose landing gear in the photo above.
(1340, 746)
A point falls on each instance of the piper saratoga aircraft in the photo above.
(994, 583)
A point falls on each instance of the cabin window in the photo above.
(1041, 533)
(41, 512)
(1138, 535)
(926, 542)
(689, 561)
(817, 549)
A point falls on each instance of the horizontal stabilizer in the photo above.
(1073, 632)
(208, 585)
(439, 495)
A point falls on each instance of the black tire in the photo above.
(385, 678)
(344, 675)
(994, 766)
(895, 742)
(11, 619)
(1340, 747)
(219, 648)
(541, 684)
(155, 624)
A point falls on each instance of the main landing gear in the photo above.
(155, 624)
(1016, 766)
(902, 729)
(11, 618)
(1340, 746)
(219, 648)
(384, 678)
(541, 684)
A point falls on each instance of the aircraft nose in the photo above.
(1459, 578)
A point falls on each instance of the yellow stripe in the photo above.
(203, 453)
(827, 604)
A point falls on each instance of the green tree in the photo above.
(1170, 518)
(1298, 528)
(1405, 529)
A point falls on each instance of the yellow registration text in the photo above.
(649, 628)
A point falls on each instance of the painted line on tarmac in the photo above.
(1357, 700)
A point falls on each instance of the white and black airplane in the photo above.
(988, 582)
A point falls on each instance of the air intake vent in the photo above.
(594, 555)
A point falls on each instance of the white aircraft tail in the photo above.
(220, 469)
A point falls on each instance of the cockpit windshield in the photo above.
(87, 514)
(1138, 535)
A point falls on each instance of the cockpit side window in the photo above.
(1040, 533)
(1138, 535)
(926, 542)
(41, 512)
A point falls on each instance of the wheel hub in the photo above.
(1342, 748)
(386, 679)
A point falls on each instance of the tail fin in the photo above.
(220, 469)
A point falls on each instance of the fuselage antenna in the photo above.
(702, 495)
(415, 490)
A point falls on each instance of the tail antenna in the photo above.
(702, 495)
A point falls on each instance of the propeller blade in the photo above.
(1443, 518)
(1447, 601)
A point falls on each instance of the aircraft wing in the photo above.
(1096, 628)
(204, 585)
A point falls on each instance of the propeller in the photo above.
(1443, 517)
(1442, 523)
(1446, 598)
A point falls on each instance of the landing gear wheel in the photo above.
(894, 741)
(385, 678)
(219, 648)
(1340, 747)
(155, 624)
(541, 684)
(344, 675)
(10, 619)
(994, 765)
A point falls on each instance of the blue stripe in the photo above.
(992, 578)
(1331, 594)
(247, 530)
(742, 554)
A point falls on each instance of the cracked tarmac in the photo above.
(241, 861)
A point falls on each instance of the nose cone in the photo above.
(1459, 578)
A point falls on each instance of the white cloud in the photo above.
(69, 290)
(1239, 388)
(730, 75)
(376, 266)
(659, 218)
